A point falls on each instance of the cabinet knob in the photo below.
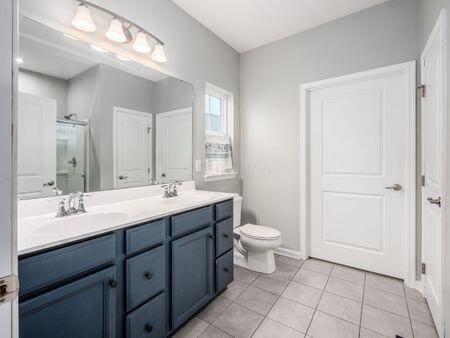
(148, 275)
(226, 270)
(112, 283)
(148, 327)
(226, 236)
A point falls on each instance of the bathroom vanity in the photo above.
(139, 279)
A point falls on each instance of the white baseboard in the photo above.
(288, 253)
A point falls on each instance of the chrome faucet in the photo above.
(170, 189)
(72, 202)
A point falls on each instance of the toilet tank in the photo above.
(237, 208)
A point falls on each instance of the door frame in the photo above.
(408, 69)
(116, 111)
(439, 26)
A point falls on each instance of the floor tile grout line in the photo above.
(409, 313)
(317, 305)
(362, 305)
(270, 309)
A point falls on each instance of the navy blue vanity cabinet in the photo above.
(84, 308)
(192, 274)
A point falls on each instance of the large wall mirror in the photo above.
(89, 120)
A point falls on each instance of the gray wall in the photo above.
(429, 12)
(270, 79)
(92, 95)
(195, 55)
(172, 94)
(45, 86)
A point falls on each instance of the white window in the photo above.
(219, 122)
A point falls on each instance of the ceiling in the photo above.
(247, 24)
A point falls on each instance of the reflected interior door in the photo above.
(360, 191)
(36, 148)
(174, 145)
(132, 148)
(433, 124)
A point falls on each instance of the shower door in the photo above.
(71, 156)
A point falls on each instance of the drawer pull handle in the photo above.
(112, 283)
(226, 270)
(226, 235)
(149, 328)
(148, 275)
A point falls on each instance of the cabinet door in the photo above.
(83, 309)
(192, 266)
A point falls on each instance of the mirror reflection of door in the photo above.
(132, 148)
(36, 154)
(174, 145)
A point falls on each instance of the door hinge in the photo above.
(424, 268)
(9, 288)
(423, 180)
(423, 90)
(148, 170)
(149, 129)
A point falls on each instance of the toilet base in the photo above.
(260, 261)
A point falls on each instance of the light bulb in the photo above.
(159, 55)
(82, 19)
(140, 44)
(115, 31)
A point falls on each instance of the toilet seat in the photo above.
(259, 232)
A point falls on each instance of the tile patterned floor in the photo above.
(313, 299)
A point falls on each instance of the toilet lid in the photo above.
(259, 232)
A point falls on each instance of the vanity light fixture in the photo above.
(119, 31)
(116, 32)
(140, 44)
(70, 36)
(82, 19)
(159, 54)
(98, 49)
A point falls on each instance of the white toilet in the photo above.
(254, 245)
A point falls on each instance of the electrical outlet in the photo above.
(198, 165)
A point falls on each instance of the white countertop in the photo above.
(42, 230)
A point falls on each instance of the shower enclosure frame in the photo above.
(85, 124)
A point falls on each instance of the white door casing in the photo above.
(358, 137)
(174, 145)
(36, 153)
(433, 160)
(132, 148)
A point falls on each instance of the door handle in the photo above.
(121, 177)
(49, 184)
(436, 201)
(163, 175)
(395, 187)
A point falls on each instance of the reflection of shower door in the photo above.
(71, 157)
(174, 145)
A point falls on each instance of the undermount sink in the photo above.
(82, 222)
(185, 199)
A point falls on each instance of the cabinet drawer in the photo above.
(224, 236)
(50, 267)
(144, 236)
(192, 220)
(149, 320)
(224, 271)
(146, 276)
(224, 210)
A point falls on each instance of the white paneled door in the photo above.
(361, 149)
(132, 148)
(433, 124)
(36, 146)
(174, 145)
